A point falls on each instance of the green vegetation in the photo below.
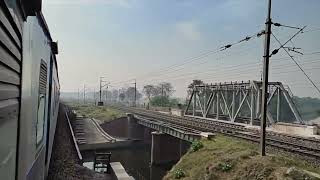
(178, 173)
(196, 145)
(97, 112)
(164, 101)
(228, 158)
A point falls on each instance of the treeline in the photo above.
(160, 95)
(124, 95)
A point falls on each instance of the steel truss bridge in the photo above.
(228, 108)
(307, 147)
(241, 102)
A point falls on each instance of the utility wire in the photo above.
(282, 45)
(230, 67)
(249, 68)
(278, 25)
(253, 64)
(206, 54)
(296, 62)
(182, 68)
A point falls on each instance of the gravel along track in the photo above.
(64, 164)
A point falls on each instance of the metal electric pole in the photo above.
(100, 89)
(107, 93)
(265, 81)
(84, 94)
(135, 93)
(100, 103)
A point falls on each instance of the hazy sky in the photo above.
(126, 39)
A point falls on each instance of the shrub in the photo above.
(224, 167)
(196, 145)
(179, 174)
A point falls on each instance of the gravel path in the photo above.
(64, 163)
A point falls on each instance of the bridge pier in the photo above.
(165, 148)
(135, 130)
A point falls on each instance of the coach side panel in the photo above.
(10, 81)
(34, 100)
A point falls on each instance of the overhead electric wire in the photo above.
(250, 68)
(311, 60)
(311, 81)
(311, 30)
(282, 45)
(177, 70)
(219, 49)
(206, 54)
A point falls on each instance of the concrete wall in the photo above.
(166, 148)
(135, 130)
(177, 112)
(297, 129)
(117, 127)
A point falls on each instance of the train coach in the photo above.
(29, 91)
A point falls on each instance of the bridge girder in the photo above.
(241, 102)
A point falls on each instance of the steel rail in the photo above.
(291, 143)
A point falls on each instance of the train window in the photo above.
(41, 102)
(40, 122)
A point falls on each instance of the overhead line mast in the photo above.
(265, 81)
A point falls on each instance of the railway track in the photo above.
(301, 145)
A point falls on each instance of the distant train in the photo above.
(29, 91)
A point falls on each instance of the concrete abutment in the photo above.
(166, 149)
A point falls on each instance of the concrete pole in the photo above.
(265, 82)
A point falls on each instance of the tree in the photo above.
(196, 82)
(149, 91)
(130, 94)
(122, 96)
(166, 89)
(114, 95)
(164, 101)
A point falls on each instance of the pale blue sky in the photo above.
(126, 39)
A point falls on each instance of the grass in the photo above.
(228, 158)
(105, 114)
